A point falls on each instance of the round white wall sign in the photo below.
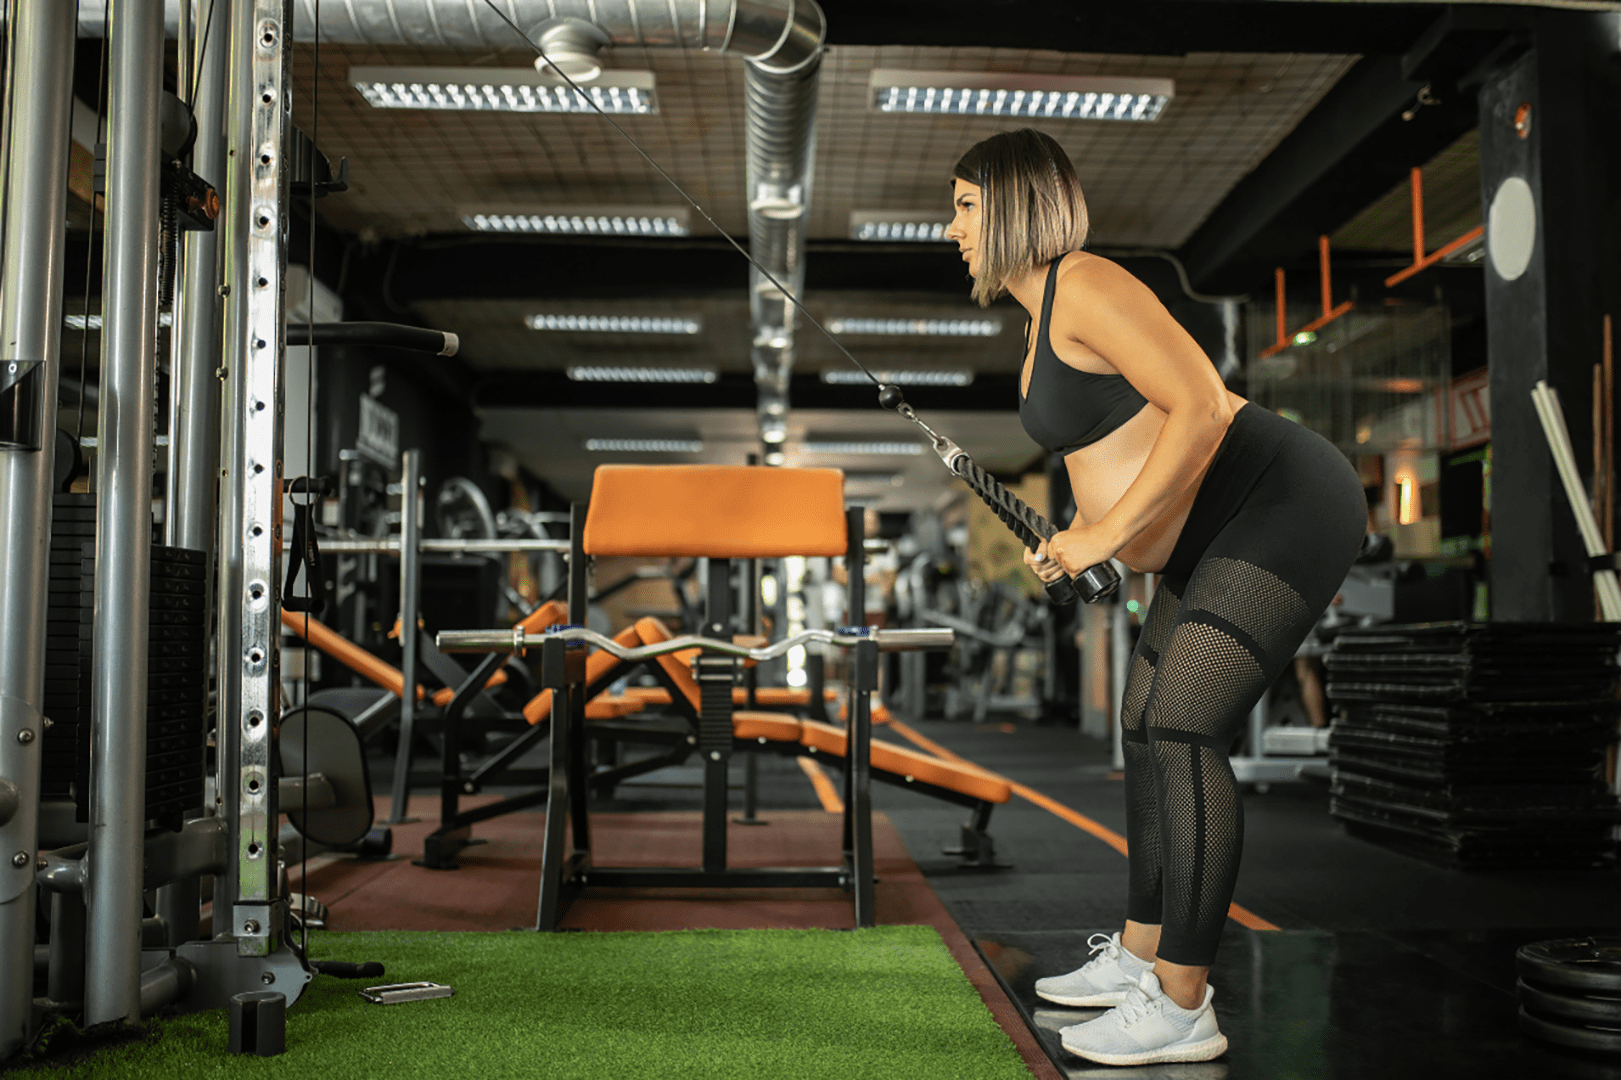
(1511, 228)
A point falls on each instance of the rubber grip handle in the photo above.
(340, 969)
(1090, 585)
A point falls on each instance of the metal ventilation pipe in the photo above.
(780, 42)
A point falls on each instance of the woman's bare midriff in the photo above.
(1100, 474)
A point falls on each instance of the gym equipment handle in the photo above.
(1091, 585)
(517, 640)
(393, 335)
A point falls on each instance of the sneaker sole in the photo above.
(1201, 1051)
(1094, 1001)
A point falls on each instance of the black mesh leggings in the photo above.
(1276, 523)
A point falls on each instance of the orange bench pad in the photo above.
(901, 761)
(551, 613)
(676, 665)
(348, 654)
(773, 727)
(597, 665)
(715, 511)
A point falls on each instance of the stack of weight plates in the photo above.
(177, 670)
(1570, 992)
(1477, 745)
(67, 694)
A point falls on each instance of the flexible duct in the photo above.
(780, 42)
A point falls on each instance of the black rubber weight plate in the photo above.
(1603, 1040)
(1590, 965)
(1568, 1008)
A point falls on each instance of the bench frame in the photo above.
(566, 863)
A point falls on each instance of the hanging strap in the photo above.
(306, 551)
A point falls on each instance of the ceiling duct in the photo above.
(780, 42)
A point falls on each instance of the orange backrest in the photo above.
(597, 665)
(715, 511)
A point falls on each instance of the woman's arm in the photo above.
(1105, 308)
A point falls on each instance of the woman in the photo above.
(1251, 520)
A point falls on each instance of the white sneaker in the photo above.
(1105, 979)
(1148, 1028)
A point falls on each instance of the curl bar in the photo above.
(518, 641)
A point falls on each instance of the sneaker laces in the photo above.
(1137, 1006)
(1102, 943)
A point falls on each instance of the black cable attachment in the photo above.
(1091, 585)
(306, 551)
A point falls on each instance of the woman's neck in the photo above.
(1029, 288)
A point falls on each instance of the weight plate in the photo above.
(1601, 1040)
(1571, 1008)
(1590, 965)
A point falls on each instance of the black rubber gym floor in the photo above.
(1383, 966)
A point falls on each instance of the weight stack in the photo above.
(177, 668)
(1570, 992)
(1477, 745)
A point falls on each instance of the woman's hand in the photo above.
(1068, 553)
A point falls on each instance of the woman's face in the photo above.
(964, 228)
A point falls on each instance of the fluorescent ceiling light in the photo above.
(898, 225)
(853, 447)
(921, 327)
(645, 446)
(77, 322)
(594, 221)
(616, 324)
(1054, 97)
(478, 89)
(841, 377)
(642, 374)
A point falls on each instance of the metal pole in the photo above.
(124, 440)
(40, 65)
(253, 349)
(193, 385)
(410, 574)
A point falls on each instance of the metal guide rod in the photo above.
(410, 575)
(194, 386)
(35, 192)
(516, 640)
(124, 440)
(391, 546)
(255, 221)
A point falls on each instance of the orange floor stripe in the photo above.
(1241, 915)
(825, 791)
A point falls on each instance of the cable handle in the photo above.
(1090, 585)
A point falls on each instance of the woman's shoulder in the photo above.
(1086, 280)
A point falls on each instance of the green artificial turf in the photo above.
(885, 1003)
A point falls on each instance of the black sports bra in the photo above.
(1065, 408)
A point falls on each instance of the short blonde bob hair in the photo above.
(1032, 210)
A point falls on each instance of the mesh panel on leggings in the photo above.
(1202, 837)
(1132, 702)
(1205, 681)
(1246, 595)
(1161, 618)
